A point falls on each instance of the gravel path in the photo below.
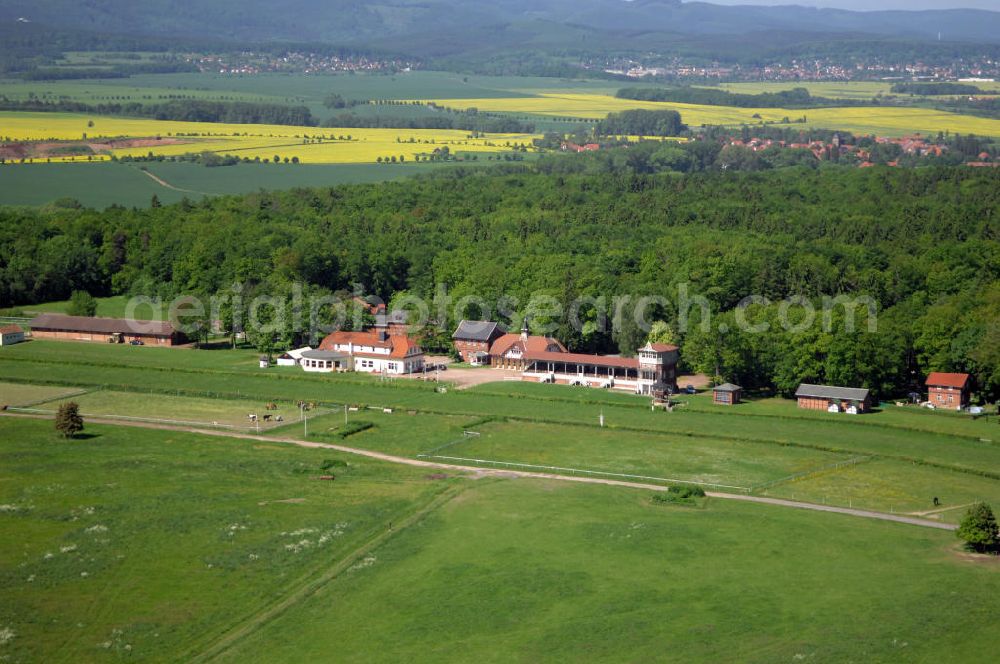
(489, 472)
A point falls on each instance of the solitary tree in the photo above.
(68, 420)
(979, 528)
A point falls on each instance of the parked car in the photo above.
(137, 342)
(690, 390)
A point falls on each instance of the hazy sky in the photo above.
(868, 5)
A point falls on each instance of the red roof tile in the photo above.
(534, 344)
(399, 345)
(940, 379)
(663, 348)
(577, 358)
(10, 329)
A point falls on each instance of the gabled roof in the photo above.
(10, 329)
(727, 387)
(399, 346)
(832, 392)
(477, 330)
(344, 337)
(101, 325)
(534, 344)
(941, 379)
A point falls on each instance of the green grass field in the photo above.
(765, 446)
(148, 544)
(115, 306)
(105, 184)
(162, 546)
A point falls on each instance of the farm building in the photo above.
(376, 351)
(948, 390)
(325, 361)
(509, 350)
(655, 364)
(833, 399)
(473, 339)
(107, 330)
(727, 394)
(10, 335)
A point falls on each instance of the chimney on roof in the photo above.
(524, 330)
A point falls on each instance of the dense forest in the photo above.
(480, 122)
(794, 98)
(923, 244)
(930, 89)
(641, 123)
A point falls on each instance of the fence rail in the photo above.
(853, 461)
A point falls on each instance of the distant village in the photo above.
(249, 63)
(865, 152)
(815, 69)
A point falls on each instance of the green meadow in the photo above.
(101, 185)
(141, 545)
(895, 459)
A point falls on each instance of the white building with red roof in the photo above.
(375, 351)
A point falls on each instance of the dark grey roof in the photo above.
(101, 325)
(831, 392)
(478, 330)
(394, 317)
(727, 387)
(323, 355)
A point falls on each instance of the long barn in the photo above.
(108, 330)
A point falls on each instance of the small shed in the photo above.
(265, 361)
(10, 335)
(834, 399)
(727, 394)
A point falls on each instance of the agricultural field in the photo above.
(206, 548)
(101, 185)
(883, 121)
(120, 137)
(833, 89)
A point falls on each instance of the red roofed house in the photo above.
(509, 350)
(948, 390)
(377, 351)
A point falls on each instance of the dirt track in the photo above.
(488, 472)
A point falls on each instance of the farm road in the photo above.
(476, 471)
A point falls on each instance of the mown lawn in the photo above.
(894, 486)
(724, 464)
(549, 572)
(146, 545)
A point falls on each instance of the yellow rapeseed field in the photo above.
(874, 119)
(310, 144)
